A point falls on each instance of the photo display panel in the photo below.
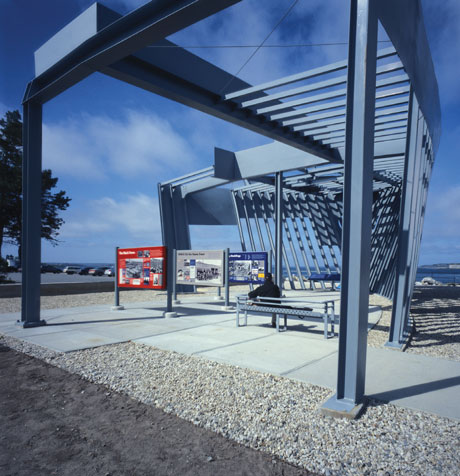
(143, 268)
(247, 267)
(200, 268)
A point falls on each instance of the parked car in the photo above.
(97, 271)
(109, 272)
(84, 271)
(72, 269)
(48, 268)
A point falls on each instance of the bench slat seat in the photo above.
(288, 308)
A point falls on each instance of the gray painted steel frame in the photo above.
(348, 173)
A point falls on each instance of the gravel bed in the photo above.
(436, 314)
(378, 335)
(435, 311)
(273, 414)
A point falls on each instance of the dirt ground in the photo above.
(56, 423)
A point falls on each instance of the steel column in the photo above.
(397, 317)
(279, 228)
(357, 210)
(413, 228)
(31, 214)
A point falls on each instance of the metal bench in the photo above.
(323, 277)
(288, 308)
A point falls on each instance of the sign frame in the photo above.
(142, 267)
(248, 272)
(200, 268)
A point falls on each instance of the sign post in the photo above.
(174, 273)
(171, 289)
(227, 279)
(117, 306)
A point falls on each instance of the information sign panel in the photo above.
(247, 267)
(143, 268)
(200, 268)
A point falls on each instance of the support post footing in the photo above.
(342, 408)
(29, 325)
(117, 308)
(167, 315)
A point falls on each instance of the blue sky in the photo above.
(110, 143)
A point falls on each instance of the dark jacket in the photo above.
(268, 289)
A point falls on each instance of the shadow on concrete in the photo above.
(103, 321)
(405, 392)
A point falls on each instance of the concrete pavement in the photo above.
(203, 329)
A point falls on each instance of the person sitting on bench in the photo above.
(268, 289)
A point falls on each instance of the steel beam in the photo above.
(185, 78)
(357, 210)
(144, 26)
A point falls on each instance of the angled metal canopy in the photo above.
(344, 184)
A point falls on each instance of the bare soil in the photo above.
(56, 423)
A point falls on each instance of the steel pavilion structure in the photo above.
(344, 184)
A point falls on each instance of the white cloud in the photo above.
(94, 147)
(131, 216)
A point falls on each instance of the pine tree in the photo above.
(11, 187)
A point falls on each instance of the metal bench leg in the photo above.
(332, 308)
(277, 323)
(285, 322)
(332, 322)
(333, 317)
(237, 317)
(245, 317)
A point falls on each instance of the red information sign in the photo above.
(143, 268)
